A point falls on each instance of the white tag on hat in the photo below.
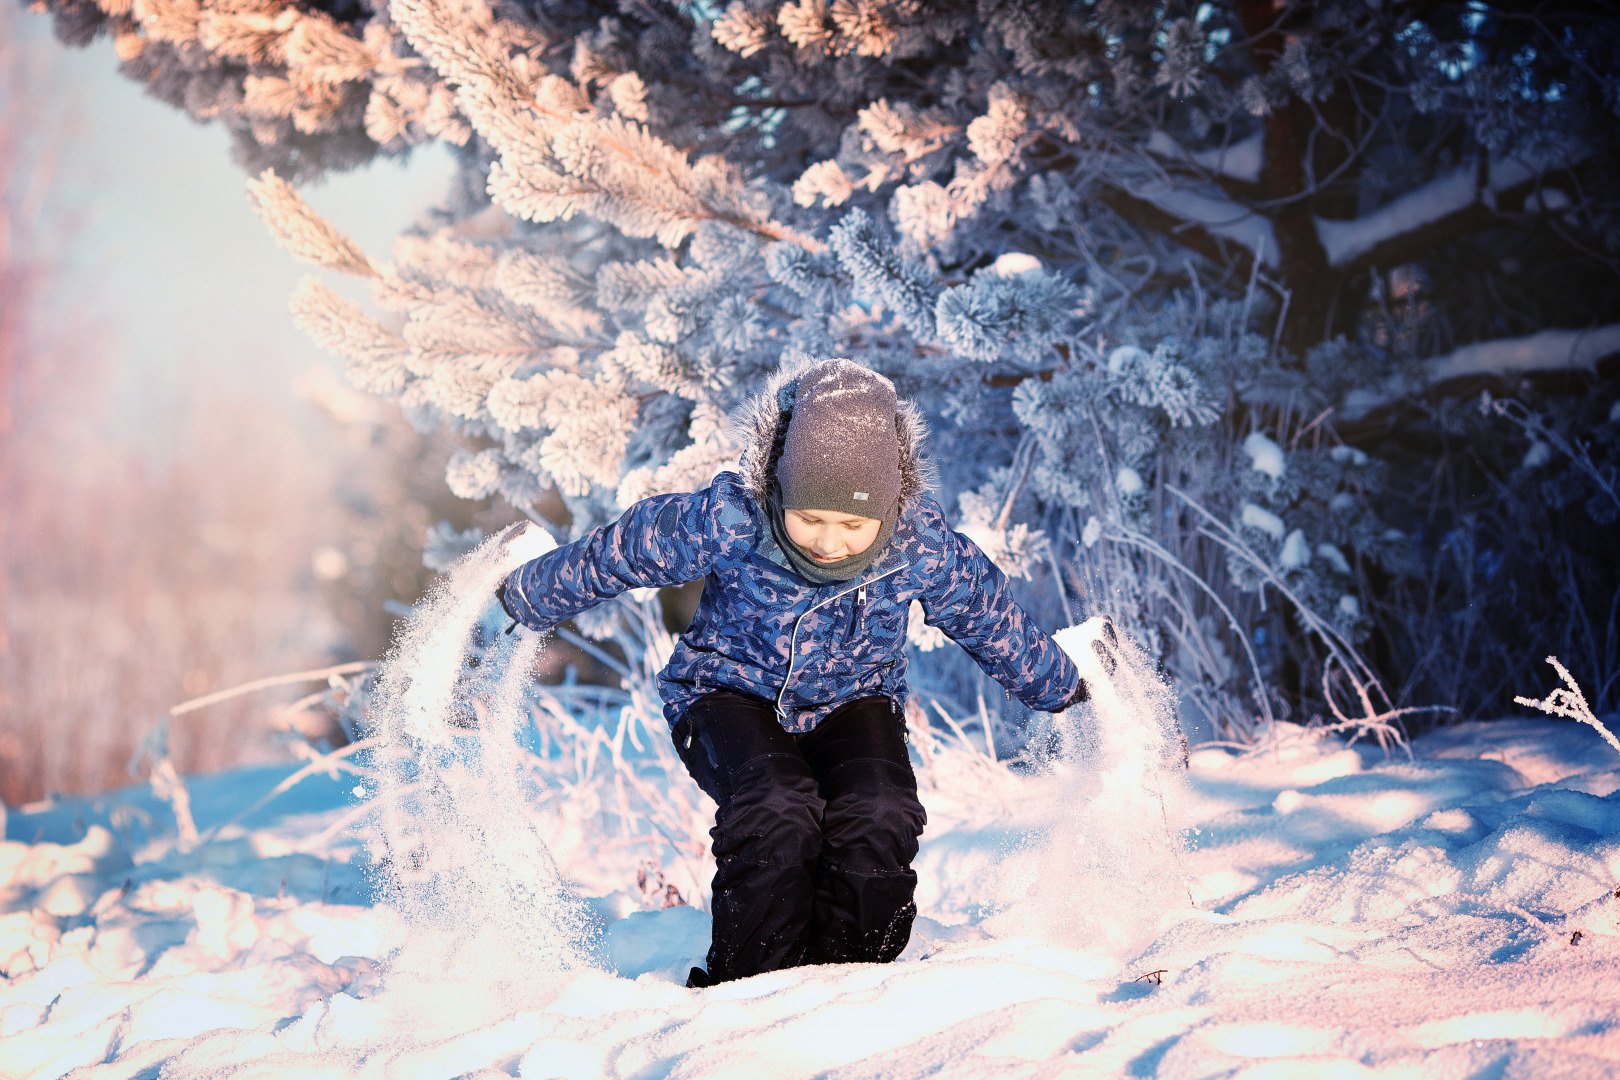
(861, 496)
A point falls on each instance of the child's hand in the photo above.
(500, 594)
(525, 541)
(1094, 648)
(520, 543)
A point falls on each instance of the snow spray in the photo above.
(1103, 865)
(488, 923)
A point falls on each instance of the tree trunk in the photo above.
(1306, 275)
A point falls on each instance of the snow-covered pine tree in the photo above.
(1163, 275)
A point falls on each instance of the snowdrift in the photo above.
(474, 907)
(1449, 915)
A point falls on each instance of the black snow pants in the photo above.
(814, 835)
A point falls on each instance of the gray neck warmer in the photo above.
(805, 564)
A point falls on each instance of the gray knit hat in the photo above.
(842, 450)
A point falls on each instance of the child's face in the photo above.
(828, 535)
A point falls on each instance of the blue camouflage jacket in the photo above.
(761, 629)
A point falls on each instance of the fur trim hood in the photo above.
(759, 426)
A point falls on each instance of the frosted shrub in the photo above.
(132, 584)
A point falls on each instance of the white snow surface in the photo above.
(1304, 908)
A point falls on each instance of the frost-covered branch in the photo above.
(377, 357)
(298, 230)
(1569, 702)
(558, 156)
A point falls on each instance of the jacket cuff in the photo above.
(506, 605)
(516, 605)
(1082, 692)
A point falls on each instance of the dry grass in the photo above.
(223, 541)
(132, 586)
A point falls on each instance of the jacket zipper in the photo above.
(793, 642)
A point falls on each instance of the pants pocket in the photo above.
(695, 745)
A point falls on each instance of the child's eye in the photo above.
(852, 526)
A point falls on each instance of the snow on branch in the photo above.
(300, 231)
(1207, 207)
(1241, 160)
(1550, 350)
(1346, 241)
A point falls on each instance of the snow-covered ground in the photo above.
(1348, 915)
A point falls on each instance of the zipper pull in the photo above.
(860, 595)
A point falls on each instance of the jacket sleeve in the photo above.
(664, 540)
(971, 601)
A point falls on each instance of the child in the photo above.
(785, 693)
